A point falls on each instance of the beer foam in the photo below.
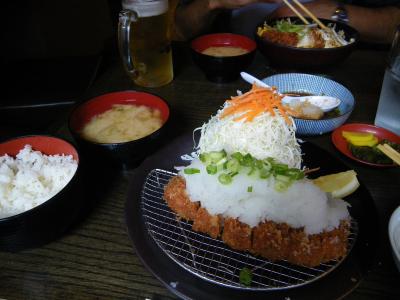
(146, 8)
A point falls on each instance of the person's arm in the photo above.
(198, 15)
(373, 24)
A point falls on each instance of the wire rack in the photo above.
(210, 258)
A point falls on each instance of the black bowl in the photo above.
(225, 68)
(53, 217)
(125, 154)
(306, 58)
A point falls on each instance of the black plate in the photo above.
(186, 285)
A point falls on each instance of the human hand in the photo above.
(231, 4)
(320, 8)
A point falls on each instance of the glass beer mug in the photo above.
(144, 41)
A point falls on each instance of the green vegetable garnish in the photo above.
(218, 162)
(225, 178)
(245, 276)
(191, 171)
(212, 169)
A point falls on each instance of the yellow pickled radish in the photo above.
(339, 184)
(360, 138)
(369, 143)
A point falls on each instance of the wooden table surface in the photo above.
(95, 258)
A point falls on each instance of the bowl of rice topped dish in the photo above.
(290, 43)
(246, 186)
(119, 128)
(39, 190)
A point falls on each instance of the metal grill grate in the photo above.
(211, 259)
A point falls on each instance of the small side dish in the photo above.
(361, 142)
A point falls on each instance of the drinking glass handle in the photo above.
(124, 28)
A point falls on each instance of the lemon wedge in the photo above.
(339, 184)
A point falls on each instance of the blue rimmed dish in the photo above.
(315, 85)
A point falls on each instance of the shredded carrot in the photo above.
(256, 101)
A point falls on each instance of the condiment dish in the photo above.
(315, 85)
(325, 103)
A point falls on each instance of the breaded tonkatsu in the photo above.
(274, 241)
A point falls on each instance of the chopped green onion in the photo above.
(281, 186)
(225, 178)
(238, 156)
(191, 171)
(249, 189)
(258, 164)
(212, 169)
(280, 168)
(248, 160)
(283, 178)
(264, 173)
(267, 164)
(233, 165)
(216, 156)
(245, 276)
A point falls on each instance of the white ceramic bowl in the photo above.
(394, 235)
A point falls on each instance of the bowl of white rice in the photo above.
(119, 128)
(40, 193)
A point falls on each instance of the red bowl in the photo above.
(381, 133)
(226, 68)
(47, 221)
(119, 154)
(46, 144)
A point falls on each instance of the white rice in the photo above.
(31, 178)
(303, 204)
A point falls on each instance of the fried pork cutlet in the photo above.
(274, 241)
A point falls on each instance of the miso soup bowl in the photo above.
(47, 221)
(124, 154)
(222, 68)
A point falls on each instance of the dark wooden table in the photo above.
(95, 258)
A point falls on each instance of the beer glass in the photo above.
(388, 113)
(144, 41)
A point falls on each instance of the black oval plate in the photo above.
(185, 285)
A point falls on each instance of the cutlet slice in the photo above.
(271, 240)
(178, 200)
(237, 234)
(207, 223)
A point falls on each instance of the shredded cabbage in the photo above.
(265, 136)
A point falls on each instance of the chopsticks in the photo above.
(390, 152)
(306, 11)
(296, 12)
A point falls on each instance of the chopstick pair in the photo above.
(390, 152)
(306, 11)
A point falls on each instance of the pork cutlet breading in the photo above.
(274, 241)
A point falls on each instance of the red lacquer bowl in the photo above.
(45, 222)
(381, 133)
(127, 154)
